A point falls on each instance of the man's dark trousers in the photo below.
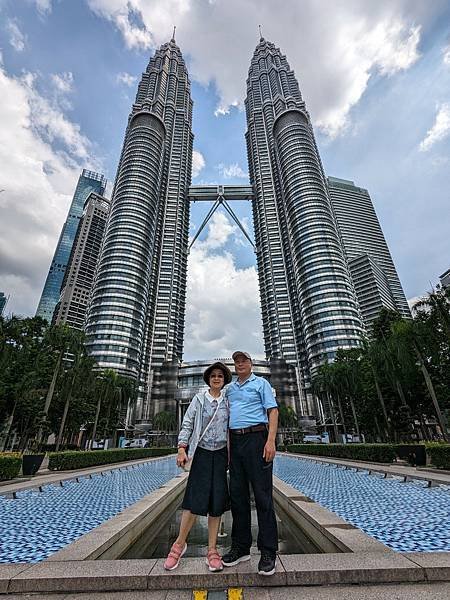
(247, 466)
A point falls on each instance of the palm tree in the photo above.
(106, 393)
(80, 368)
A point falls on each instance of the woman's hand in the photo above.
(181, 457)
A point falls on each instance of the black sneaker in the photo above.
(234, 557)
(266, 565)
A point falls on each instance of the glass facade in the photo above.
(301, 264)
(373, 271)
(88, 182)
(135, 321)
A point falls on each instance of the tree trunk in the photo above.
(64, 417)
(381, 399)
(432, 393)
(94, 430)
(8, 428)
(333, 416)
(49, 397)
(355, 418)
(342, 415)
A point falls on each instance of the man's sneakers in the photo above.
(234, 557)
(266, 565)
(174, 556)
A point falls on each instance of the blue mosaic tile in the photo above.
(37, 524)
(407, 517)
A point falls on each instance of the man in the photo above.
(253, 427)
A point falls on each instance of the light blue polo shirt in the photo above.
(249, 402)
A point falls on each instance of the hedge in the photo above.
(67, 461)
(10, 464)
(384, 453)
(439, 455)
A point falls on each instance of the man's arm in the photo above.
(269, 448)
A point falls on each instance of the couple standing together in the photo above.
(245, 417)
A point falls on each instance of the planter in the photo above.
(31, 463)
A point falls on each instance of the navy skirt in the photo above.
(207, 487)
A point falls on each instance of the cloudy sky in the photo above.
(375, 75)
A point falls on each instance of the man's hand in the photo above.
(181, 457)
(269, 451)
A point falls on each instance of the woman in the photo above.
(203, 440)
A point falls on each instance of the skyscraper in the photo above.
(373, 271)
(88, 182)
(136, 317)
(445, 279)
(3, 302)
(308, 302)
(79, 276)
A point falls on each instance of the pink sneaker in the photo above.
(174, 556)
(214, 561)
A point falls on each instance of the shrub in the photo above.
(67, 461)
(439, 455)
(406, 452)
(384, 453)
(10, 464)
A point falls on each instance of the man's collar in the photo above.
(249, 378)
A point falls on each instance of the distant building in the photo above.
(79, 276)
(374, 275)
(3, 302)
(445, 279)
(88, 182)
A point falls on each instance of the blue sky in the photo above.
(375, 77)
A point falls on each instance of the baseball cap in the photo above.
(241, 353)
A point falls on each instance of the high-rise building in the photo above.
(79, 276)
(136, 317)
(3, 302)
(88, 182)
(445, 279)
(373, 271)
(308, 301)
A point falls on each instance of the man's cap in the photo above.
(241, 353)
(218, 365)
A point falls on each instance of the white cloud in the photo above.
(446, 55)
(126, 79)
(335, 47)
(198, 163)
(63, 82)
(43, 6)
(440, 129)
(38, 180)
(16, 38)
(223, 309)
(231, 171)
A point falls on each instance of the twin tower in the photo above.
(135, 322)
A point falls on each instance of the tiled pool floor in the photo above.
(37, 524)
(407, 517)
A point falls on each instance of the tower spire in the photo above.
(260, 33)
(173, 34)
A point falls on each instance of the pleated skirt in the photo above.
(207, 487)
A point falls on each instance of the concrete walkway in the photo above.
(391, 470)
(408, 591)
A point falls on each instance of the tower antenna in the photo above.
(173, 34)
(260, 32)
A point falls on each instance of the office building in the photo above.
(3, 302)
(136, 317)
(309, 309)
(88, 182)
(79, 276)
(373, 271)
(445, 279)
